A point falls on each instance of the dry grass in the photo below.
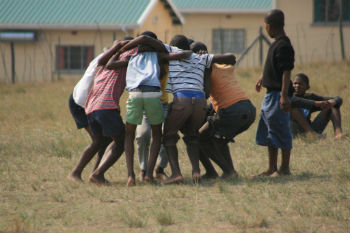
(39, 145)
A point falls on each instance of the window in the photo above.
(73, 58)
(328, 11)
(228, 40)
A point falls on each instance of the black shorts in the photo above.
(78, 113)
(107, 123)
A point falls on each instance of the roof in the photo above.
(224, 6)
(79, 14)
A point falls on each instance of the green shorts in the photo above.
(151, 106)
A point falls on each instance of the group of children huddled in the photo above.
(149, 69)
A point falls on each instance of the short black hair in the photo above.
(275, 18)
(150, 34)
(304, 78)
(128, 38)
(180, 41)
(197, 46)
(190, 41)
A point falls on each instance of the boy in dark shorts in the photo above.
(273, 129)
(77, 108)
(234, 113)
(304, 104)
(102, 106)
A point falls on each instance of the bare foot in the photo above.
(161, 176)
(210, 175)
(338, 136)
(98, 180)
(275, 174)
(284, 172)
(196, 177)
(173, 180)
(142, 175)
(75, 178)
(148, 179)
(131, 181)
(267, 173)
(228, 175)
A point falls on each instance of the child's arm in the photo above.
(175, 56)
(114, 65)
(258, 84)
(110, 52)
(146, 40)
(228, 59)
(284, 101)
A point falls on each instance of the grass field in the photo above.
(39, 145)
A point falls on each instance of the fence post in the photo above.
(13, 68)
(260, 46)
(341, 30)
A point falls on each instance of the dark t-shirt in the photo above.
(307, 102)
(280, 58)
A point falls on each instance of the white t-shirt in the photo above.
(82, 88)
(187, 74)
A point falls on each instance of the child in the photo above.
(234, 114)
(273, 129)
(304, 104)
(144, 97)
(188, 109)
(102, 106)
(76, 105)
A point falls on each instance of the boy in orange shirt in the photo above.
(234, 114)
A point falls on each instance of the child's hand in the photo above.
(285, 104)
(322, 104)
(258, 85)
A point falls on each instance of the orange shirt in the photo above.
(224, 88)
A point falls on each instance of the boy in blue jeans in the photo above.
(273, 129)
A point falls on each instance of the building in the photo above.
(50, 40)
(56, 39)
(233, 25)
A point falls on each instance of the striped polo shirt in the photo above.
(108, 87)
(187, 74)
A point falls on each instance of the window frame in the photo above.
(89, 56)
(221, 48)
(326, 21)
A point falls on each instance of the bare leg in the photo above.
(154, 150)
(87, 155)
(176, 175)
(129, 152)
(193, 153)
(299, 117)
(284, 169)
(336, 120)
(209, 168)
(106, 142)
(112, 154)
(273, 153)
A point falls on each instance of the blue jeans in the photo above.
(143, 139)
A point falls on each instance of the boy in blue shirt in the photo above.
(273, 129)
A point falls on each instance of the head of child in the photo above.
(180, 41)
(300, 84)
(150, 34)
(198, 47)
(274, 22)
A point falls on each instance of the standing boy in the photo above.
(77, 108)
(234, 113)
(188, 109)
(273, 129)
(102, 106)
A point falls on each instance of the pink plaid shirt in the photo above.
(108, 86)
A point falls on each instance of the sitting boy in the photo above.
(304, 104)
(234, 114)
